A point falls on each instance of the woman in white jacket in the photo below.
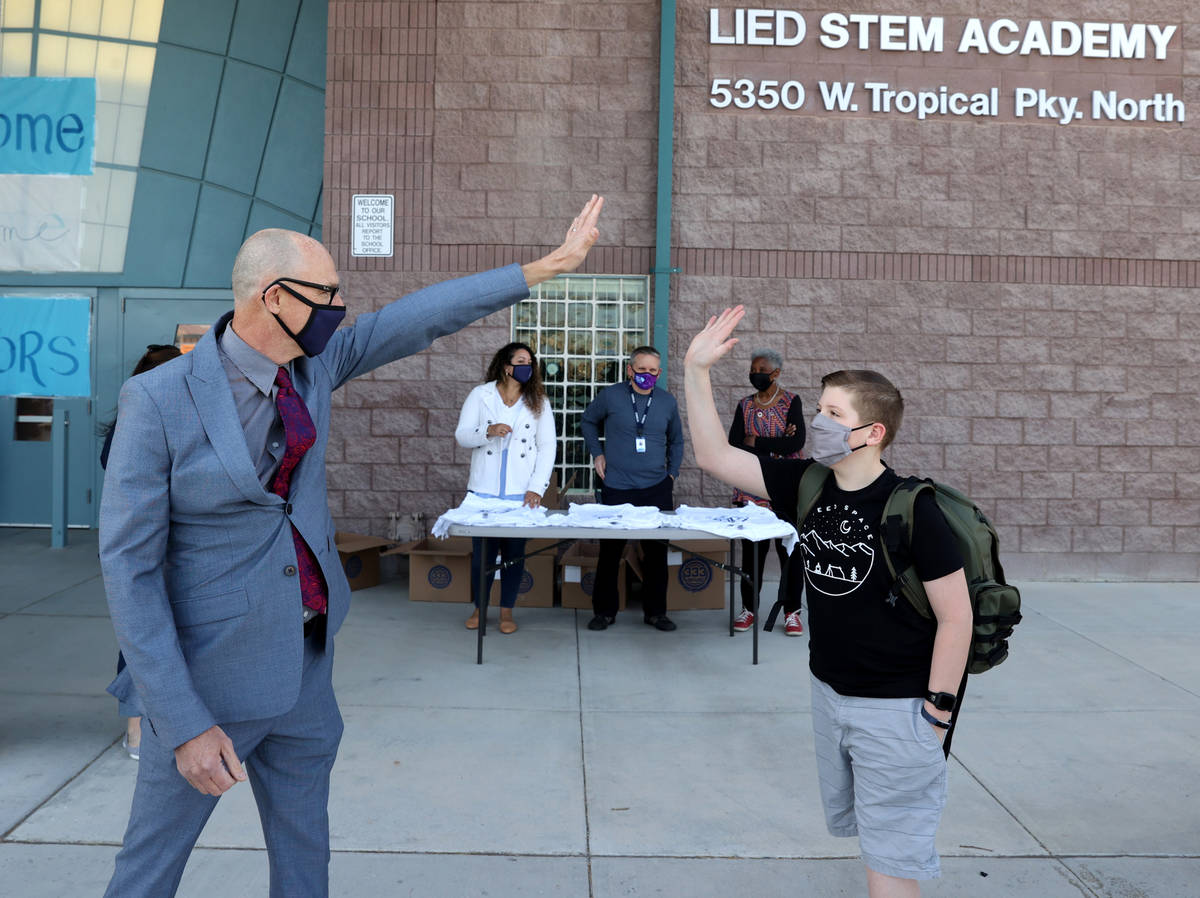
(508, 424)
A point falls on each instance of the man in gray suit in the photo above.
(217, 548)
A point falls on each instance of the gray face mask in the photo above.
(829, 441)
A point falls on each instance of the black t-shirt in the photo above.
(860, 643)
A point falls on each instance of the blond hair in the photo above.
(875, 398)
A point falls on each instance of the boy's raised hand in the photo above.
(714, 341)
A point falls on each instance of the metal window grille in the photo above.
(582, 328)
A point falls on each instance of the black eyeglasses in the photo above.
(331, 289)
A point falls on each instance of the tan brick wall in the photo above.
(1079, 437)
(391, 445)
(887, 182)
(492, 122)
(536, 105)
(1033, 288)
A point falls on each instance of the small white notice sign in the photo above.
(371, 224)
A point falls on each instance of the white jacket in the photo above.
(531, 445)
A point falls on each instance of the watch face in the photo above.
(943, 701)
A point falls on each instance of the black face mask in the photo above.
(760, 381)
(322, 320)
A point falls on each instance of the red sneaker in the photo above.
(792, 625)
(743, 621)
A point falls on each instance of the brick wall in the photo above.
(1074, 429)
(1031, 287)
(491, 123)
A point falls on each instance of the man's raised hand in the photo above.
(580, 236)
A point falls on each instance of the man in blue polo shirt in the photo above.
(638, 464)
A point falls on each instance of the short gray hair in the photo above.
(266, 255)
(644, 350)
(774, 359)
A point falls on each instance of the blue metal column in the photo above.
(59, 436)
(666, 150)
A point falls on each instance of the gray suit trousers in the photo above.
(287, 759)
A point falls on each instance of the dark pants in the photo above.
(483, 552)
(790, 588)
(654, 554)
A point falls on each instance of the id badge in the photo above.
(639, 444)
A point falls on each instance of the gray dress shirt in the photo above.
(252, 379)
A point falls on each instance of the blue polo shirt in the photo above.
(613, 415)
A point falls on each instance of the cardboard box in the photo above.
(555, 497)
(579, 576)
(439, 570)
(694, 583)
(359, 554)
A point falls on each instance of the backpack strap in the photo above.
(812, 481)
(897, 527)
(785, 588)
(769, 624)
(962, 692)
(896, 531)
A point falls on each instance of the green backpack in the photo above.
(995, 605)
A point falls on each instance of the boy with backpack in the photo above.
(884, 677)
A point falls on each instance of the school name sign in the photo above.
(949, 48)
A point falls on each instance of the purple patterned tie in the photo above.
(301, 434)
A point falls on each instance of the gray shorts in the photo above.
(883, 778)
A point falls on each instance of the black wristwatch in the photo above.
(943, 701)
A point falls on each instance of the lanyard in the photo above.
(641, 424)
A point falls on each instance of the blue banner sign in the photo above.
(47, 126)
(45, 346)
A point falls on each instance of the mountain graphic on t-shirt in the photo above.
(842, 549)
(835, 568)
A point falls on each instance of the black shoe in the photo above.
(660, 622)
(600, 622)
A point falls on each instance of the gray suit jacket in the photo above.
(198, 557)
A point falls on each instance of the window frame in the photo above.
(586, 325)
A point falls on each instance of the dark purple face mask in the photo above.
(322, 321)
(645, 380)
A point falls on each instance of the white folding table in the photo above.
(565, 534)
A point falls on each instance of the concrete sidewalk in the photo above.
(628, 762)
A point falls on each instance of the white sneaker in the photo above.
(792, 625)
(743, 621)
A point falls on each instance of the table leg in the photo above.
(485, 582)
(756, 586)
(731, 579)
